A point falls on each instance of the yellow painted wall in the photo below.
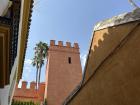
(113, 68)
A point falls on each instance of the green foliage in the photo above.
(45, 102)
(40, 50)
(23, 103)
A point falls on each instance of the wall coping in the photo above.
(118, 20)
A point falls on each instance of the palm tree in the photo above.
(35, 63)
(39, 57)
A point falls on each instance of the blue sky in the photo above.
(67, 20)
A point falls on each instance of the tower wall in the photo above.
(63, 72)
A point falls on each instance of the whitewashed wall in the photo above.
(7, 92)
(4, 95)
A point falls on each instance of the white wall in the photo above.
(3, 6)
(7, 92)
(4, 95)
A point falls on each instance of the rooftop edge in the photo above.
(118, 20)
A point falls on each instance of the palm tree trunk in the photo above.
(36, 78)
(39, 75)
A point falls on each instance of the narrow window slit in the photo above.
(69, 60)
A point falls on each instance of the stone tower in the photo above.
(63, 72)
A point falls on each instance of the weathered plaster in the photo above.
(118, 20)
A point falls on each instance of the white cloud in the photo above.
(27, 68)
(26, 71)
(83, 60)
(28, 61)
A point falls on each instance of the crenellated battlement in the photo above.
(60, 44)
(30, 94)
(32, 85)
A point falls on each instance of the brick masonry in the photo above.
(63, 71)
(29, 94)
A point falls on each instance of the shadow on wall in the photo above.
(104, 43)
